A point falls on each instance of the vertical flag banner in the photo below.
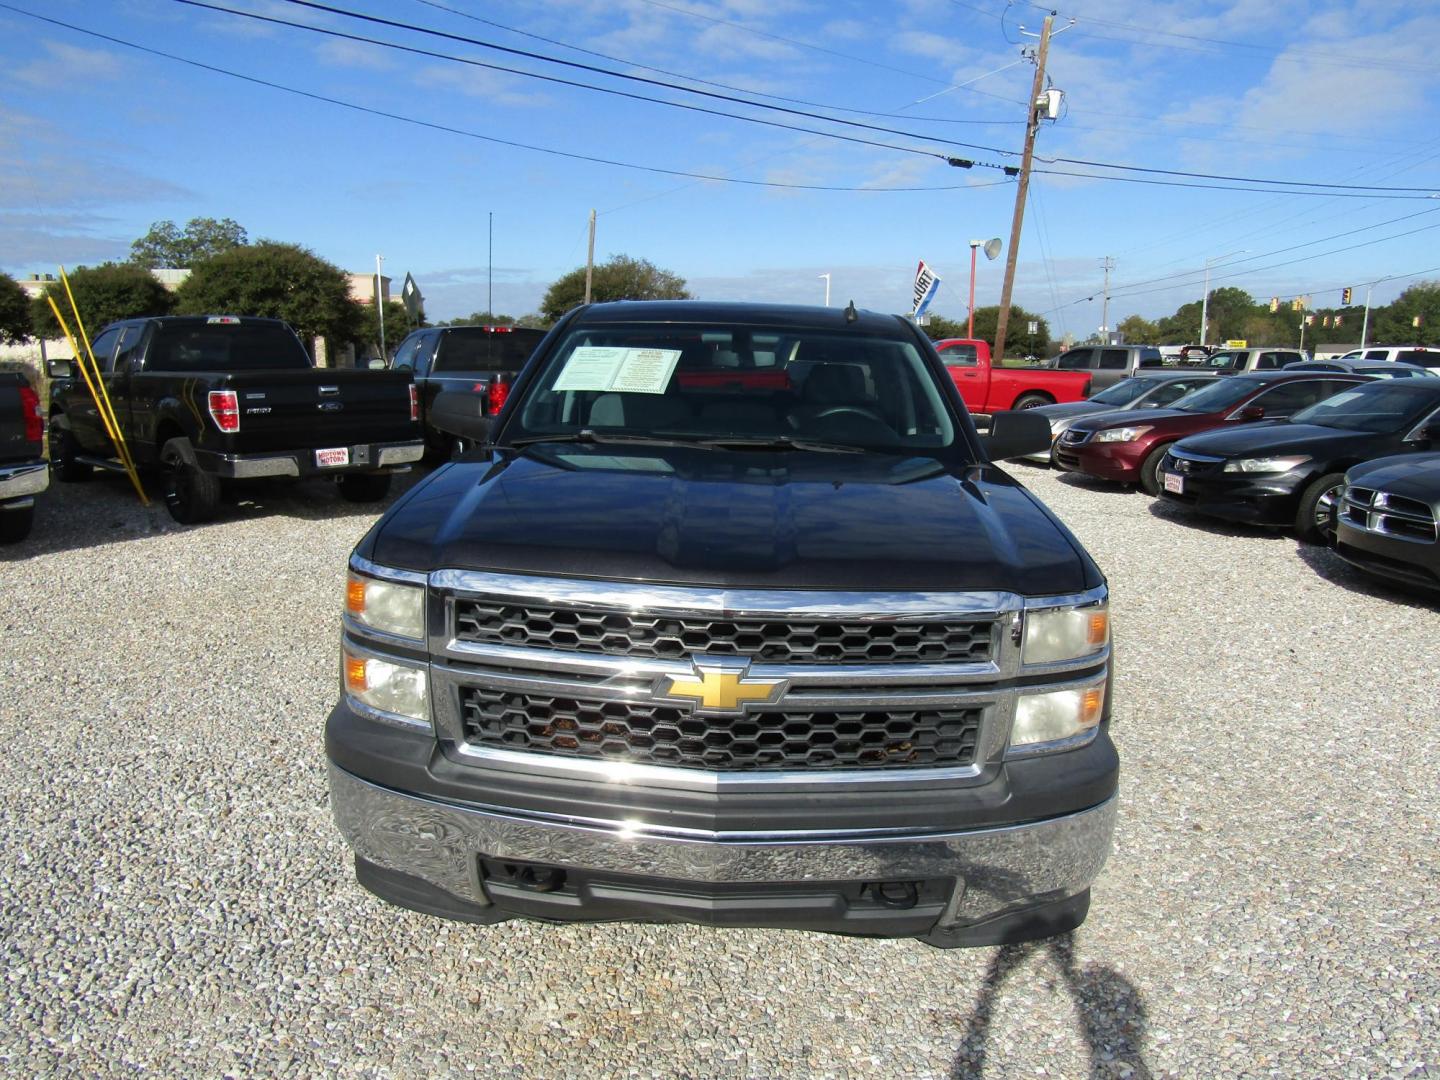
(927, 284)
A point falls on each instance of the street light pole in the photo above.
(1205, 300)
(827, 289)
(1365, 326)
(970, 329)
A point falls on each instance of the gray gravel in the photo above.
(174, 898)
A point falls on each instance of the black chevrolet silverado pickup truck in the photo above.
(23, 471)
(215, 398)
(729, 619)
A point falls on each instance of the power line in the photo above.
(1371, 193)
(254, 80)
(719, 85)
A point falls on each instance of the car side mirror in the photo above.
(1016, 434)
(377, 364)
(1252, 412)
(457, 412)
(61, 369)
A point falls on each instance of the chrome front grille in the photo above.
(1376, 511)
(798, 641)
(769, 740)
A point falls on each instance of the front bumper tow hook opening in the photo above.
(537, 878)
(895, 894)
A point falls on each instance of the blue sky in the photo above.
(98, 140)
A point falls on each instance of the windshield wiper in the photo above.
(589, 435)
(783, 442)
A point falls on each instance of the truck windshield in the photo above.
(226, 347)
(762, 386)
(485, 348)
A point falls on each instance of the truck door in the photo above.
(963, 362)
(133, 399)
(80, 406)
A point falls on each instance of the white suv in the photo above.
(1404, 354)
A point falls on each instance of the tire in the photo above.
(1032, 401)
(363, 487)
(15, 524)
(1150, 470)
(191, 495)
(1315, 516)
(63, 448)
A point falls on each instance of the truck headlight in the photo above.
(400, 689)
(1054, 717)
(387, 606)
(1121, 434)
(1067, 633)
(1266, 464)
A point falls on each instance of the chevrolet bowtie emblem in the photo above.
(721, 686)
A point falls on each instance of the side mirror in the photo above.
(1016, 434)
(456, 412)
(377, 364)
(1252, 412)
(61, 369)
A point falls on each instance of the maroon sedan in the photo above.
(1127, 446)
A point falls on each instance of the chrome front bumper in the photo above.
(995, 869)
(20, 481)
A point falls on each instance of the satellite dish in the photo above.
(992, 248)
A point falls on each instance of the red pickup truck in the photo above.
(989, 389)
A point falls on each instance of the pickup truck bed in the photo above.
(23, 471)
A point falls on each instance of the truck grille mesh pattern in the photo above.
(617, 633)
(767, 740)
(1391, 515)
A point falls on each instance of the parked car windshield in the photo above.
(1221, 394)
(1123, 392)
(699, 383)
(1379, 407)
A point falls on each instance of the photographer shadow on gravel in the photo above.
(1111, 1011)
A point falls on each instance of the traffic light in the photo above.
(1274, 304)
(1297, 304)
(1344, 297)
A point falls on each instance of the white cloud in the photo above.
(97, 65)
(354, 54)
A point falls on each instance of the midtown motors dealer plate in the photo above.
(340, 455)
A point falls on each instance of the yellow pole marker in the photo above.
(90, 385)
(102, 398)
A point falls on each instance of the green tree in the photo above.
(1394, 324)
(103, 294)
(166, 245)
(15, 323)
(482, 318)
(1018, 339)
(1139, 331)
(397, 325)
(279, 281)
(939, 328)
(620, 277)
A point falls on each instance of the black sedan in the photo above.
(1290, 472)
(1387, 520)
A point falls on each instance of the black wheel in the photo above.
(1031, 401)
(1315, 516)
(1150, 478)
(63, 449)
(363, 487)
(191, 494)
(15, 524)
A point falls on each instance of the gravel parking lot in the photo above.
(175, 899)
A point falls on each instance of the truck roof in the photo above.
(732, 312)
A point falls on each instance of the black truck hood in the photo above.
(1278, 437)
(737, 519)
(1414, 476)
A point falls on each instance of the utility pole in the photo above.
(380, 302)
(1365, 326)
(590, 259)
(1109, 264)
(1032, 125)
(490, 273)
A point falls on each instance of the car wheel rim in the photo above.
(1325, 510)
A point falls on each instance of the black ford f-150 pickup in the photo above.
(220, 397)
(730, 620)
(23, 471)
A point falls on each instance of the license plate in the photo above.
(340, 455)
(1175, 483)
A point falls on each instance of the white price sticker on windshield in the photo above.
(625, 370)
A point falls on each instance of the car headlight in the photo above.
(1066, 633)
(1055, 717)
(387, 606)
(1121, 434)
(1266, 464)
(399, 689)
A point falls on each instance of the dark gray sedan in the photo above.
(1152, 389)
